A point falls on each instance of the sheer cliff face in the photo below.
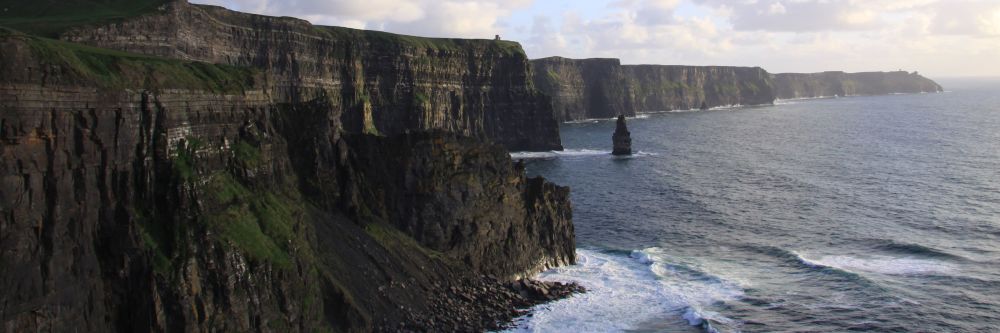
(583, 89)
(666, 88)
(379, 82)
(149, 194)
(602, 88)
(829, 84)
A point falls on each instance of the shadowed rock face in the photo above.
(584, 89)
(379, 82)
(149, 194)
(603, 88)
(829, 84)
(621, 139)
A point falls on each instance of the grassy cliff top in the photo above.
(115, 69)
(49, 18)
(443, 44)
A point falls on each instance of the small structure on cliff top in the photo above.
(622, 139)
(497, 37)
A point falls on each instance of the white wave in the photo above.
(642, 115)
(527, 155)
(641, 257)
(623, 292)
(555, 153)
(881, 264)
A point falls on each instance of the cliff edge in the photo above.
(230, 187)
(830, 84)
(603, 88)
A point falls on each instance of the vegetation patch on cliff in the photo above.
(120, 70)
(391, 238)
(391, 40)
(260, 223)
(50, 18)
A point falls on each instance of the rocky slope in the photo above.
(829, 84)
(603, 88)
(151, 194)
(380, 82)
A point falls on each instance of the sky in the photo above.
(938, 38)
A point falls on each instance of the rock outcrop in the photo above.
(830, 84)
(621, 139)
(378, 82)
(603, 88)
(146, 193)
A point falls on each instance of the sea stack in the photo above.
(622, 139)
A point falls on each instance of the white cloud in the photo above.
(448, 18)
(952, 37)
(777, 9)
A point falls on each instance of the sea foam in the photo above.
(624, 292)
(571, 153)
(881, 264)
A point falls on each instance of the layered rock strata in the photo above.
(603, 88)
(148, 194)
(379, 82)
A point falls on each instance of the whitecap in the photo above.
(881, 264)
(527, 155)
(623, 292)
(642, 115)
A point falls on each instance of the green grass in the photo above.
(390, 237)
(379, 38)
(420, 98)
(246, 153)
(183, 163)
(49, 18)
(261, 223)
(121, 70)
(155, 238)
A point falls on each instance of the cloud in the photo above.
(448, 18)
(932, 36)
(796, 15)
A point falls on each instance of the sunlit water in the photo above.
(850, 214)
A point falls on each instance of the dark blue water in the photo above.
(851, 214)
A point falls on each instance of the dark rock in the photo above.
(152, 194)
(603, 88)
(622, 139)
(831, 84)
(377, 83)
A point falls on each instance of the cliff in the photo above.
(585, 88)
(603, 88)
(829, 84)
(151, 192)
(379, 82)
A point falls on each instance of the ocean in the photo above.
(876, 213)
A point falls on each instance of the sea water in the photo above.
(873, 213)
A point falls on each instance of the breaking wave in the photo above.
(626, 291)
